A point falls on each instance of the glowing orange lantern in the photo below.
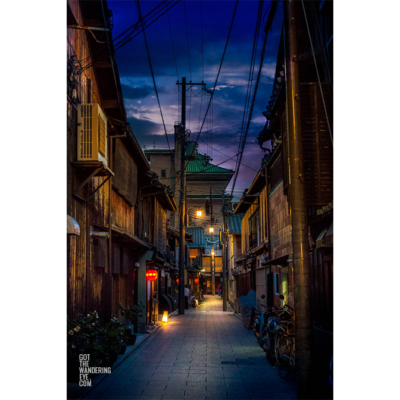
(177, 281)
(151, 275)
(196, 280)
(165, 316)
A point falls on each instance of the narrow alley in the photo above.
(204, 354)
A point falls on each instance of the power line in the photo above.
(152, 75)
(226, 155)
(250, 79)
(219, 70)
(173, 48)
(187, 39)
(147, 21)
(251, 109)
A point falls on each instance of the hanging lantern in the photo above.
(151, 275)
(165, 317)
(177, 281)
(196, 280)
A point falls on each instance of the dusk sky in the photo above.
(223, 130)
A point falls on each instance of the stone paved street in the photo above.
(205, 354)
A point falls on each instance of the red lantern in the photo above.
(196, 280)
(151, 275)
(177, 281)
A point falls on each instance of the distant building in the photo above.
(205, 189)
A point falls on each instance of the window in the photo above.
(163, 173)
(276, 173)
(276, 284)
(253, 228)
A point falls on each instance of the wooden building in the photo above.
(118, 203)
(314, 30)
(317, 127)
(234, 243)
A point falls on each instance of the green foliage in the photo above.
(87, 336)
(133, 313)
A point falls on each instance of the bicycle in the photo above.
(286, 355)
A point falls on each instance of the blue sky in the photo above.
(223, 130)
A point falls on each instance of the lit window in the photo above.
(276, 284)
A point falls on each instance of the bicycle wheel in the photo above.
(278, 334)
(285, 346)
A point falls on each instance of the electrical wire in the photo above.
(242, 137)
(251, 109)
(187, 40)
(316, 68)
(219, 71)
(173, 48)
(147, 21)
(226, 155)
(152, 75)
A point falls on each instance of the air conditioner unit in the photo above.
(92, 133)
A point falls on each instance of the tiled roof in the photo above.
(235, 223)
(200, 165)
(197, 233)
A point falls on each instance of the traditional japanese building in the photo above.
(205, 192)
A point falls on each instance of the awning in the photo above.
(175, 232)
(72, 226)
(282, 260)
(242, 258)
(325, 238)
(260, 249)
(132, 238)
(329, 236)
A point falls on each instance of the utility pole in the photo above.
(225, 255)
(212, 250)
(303, 330)
(182, 197)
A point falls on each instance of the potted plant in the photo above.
(132, 315)
(82, 334)
(122, 331)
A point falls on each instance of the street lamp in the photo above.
(199, 213)
(211, 229)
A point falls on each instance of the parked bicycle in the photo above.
(286, 355)
(273, 330)
(285, 341)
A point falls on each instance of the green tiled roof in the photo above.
(201, 166)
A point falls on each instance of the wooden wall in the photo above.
(123, 215)
(262, 216)
(125, 170)
(160, 227)
(280, 224)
